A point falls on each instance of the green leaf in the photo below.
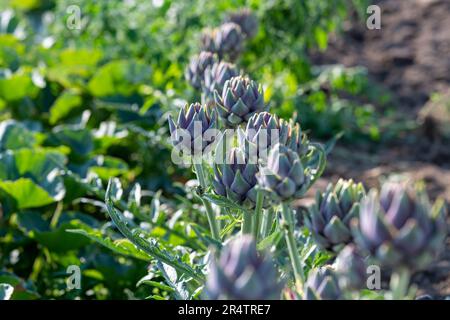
(65, 103)
(78, 139)
(26, 193)
(14, 135)
(271, 240)
(17, 86)
(223, 202)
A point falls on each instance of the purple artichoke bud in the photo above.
(228, 40)
(246, 20)
(240, 99)
(242, 274)
(196, 69)
(322, 284)
(235, 178)
(399, 227)
(208, 40)
(351, 269)
(187, 132)
(215, 77)
(264, 130)
(284, 175)
(329, 218)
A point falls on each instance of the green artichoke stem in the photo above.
(268, 220)
(258, 213)
(400, 280)
(209, 210)
(247, 223)
(288, 227)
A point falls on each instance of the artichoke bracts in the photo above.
(322, 284)
(215, 77)
(241, 273)
(329, 218)
(187, 134)
(195, 72)
(399, 228)
(239, 100)
(226, 41)
(208, 42)
(264, 130)
(351, 269)
(284, 176)
(246, 20)
(236, 178)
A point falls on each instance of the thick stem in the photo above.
(247, 222)
(258, 213)
(209, 210)
(288, 227)
(400, 283)
(268, 221)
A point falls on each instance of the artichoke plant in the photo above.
(246, 20)
(195, 71)
(242, 274)
(399, 227)
(264, 130)
(228, 40)
(239, 100)
(329, 218)
(322, 284)
(215, 77)
(187, 133)
(235, 178)
(284, 176)
(351, 269)
(207, 39)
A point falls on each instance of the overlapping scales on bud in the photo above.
(264, 130)
(399, 227)
(329, 218)
(215, 77)
(187, 133)
(229, 40)
(351, 269)
(195, 71)
(246, 20)
(207, 39)
(239, 100)
(242, 274)
(322, 284)
(235, 178)
(284, 175)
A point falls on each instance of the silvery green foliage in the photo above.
(215, 77)
(322, 284)
(228, 40)
(246, 20)
(239, 100)
(241, 273)
(351, 269)
(235, 178)
(284, 176)
(264, 130)
(329, 217)
(182, 131)
(400, 228)
(195, 71)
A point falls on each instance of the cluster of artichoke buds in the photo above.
(188, 132)
(241, 273)
(330, 216)
(399, 227)
(215, 77)
(351, 268)
(246, 20)
(264, 130)
(235, 178)
(195, 71)
(322, 284)
(239, 100)
(284, 175)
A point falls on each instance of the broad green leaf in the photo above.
(26, 193)
(17, 86)
(14, 135)
(65, 103)
(78, 139)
